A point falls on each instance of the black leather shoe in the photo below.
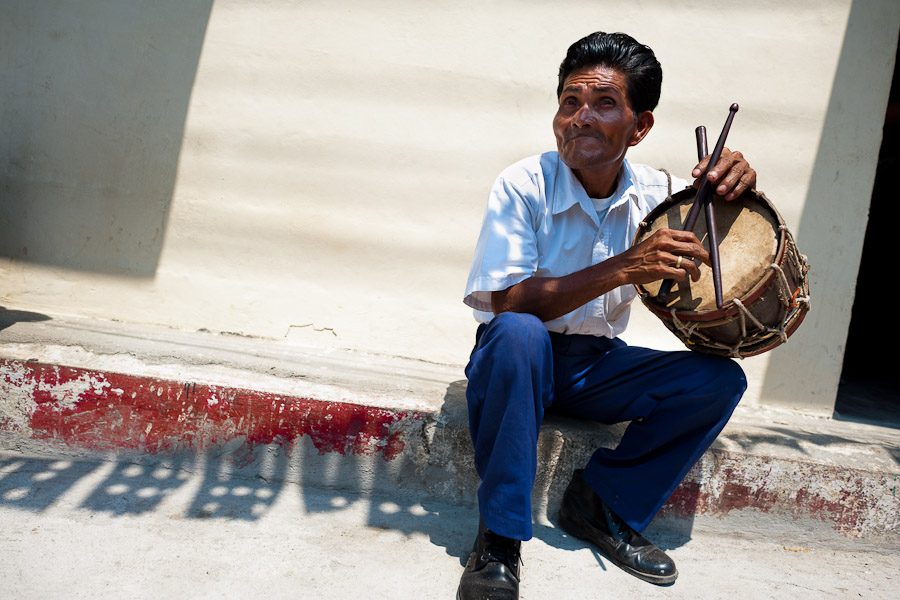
(492, 571)
(584, 515)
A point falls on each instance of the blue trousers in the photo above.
(677, 403)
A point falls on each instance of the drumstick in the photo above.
(700, 132)
(691, 219)
(704, 184)
(711, 228)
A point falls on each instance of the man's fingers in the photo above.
(680, 267)
(682, 243)
(668, 254)
(729, 183)
(731, 176)
(724, 167)
(676, 236)
(690, 270)
(692, 252)
(747, 181)
(700, 168)
(726, 159)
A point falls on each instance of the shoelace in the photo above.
(502, 557)
(617, 527)
(500, 550)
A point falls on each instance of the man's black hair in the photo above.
(620, 51)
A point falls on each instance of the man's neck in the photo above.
(600, 182)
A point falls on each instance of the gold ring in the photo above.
(678, 264)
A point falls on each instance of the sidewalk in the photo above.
(99, 529)
(363, 424)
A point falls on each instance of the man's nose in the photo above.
(585, 117)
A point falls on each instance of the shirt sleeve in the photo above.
(507, 251)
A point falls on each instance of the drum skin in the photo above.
(764, 278)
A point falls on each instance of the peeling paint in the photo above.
(17, 403)
(80, 408)
(852, 501)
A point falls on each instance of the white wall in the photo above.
(318, 170)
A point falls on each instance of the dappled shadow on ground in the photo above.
(36, 483)
(135, 488)
(223, 495)
(431, 474)
(231, 484)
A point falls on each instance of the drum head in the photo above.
(748, 230)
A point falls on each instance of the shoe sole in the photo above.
(571, 528)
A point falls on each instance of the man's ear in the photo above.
(642, 127)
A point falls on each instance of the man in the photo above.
(551, 283)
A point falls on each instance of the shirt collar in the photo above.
(568, 191)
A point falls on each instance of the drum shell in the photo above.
(776, 298)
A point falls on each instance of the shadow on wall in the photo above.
(835, 202)
(95, 97)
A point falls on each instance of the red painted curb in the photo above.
(851, 501)
(103, 411)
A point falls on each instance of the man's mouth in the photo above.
(582, 135)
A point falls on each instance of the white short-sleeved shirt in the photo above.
(540, 222)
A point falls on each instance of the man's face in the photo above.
(595, 123)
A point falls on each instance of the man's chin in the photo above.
(583, 154)
(576, 161)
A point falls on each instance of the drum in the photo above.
(764, 278)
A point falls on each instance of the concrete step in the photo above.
(364, 423)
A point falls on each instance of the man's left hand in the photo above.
(731, 176)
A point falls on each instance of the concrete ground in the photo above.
(88, 528)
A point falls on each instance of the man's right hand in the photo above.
(666, 254)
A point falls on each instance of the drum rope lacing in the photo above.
(791, 301)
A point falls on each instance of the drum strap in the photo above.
(669, 181)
